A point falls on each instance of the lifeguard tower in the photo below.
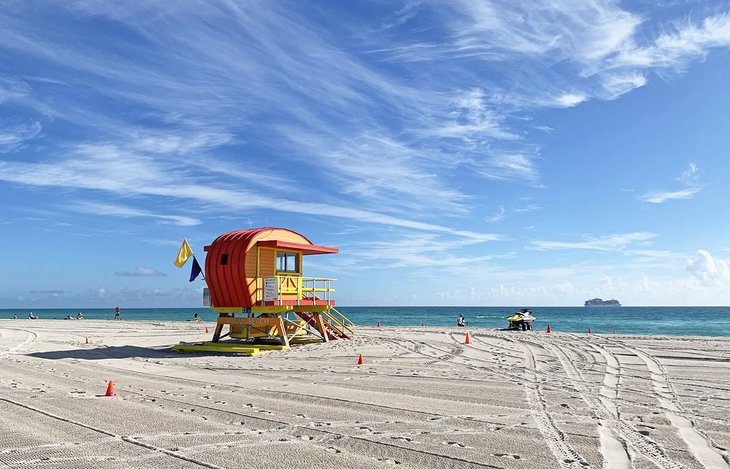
(256, 286)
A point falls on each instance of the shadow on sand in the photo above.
(98, 353)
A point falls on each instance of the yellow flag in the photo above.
(183, 254)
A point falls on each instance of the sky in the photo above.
(473, 153)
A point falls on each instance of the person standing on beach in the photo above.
(117, 313)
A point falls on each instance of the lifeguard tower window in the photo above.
(287, 262)
(224, 259)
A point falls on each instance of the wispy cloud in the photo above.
(141, 272)
(423, 251)
(689, 178)
(661, 197)
(611, 243)
(109, 169)
(498, 216)
(12, 88)
(13, 137)
(128, 212)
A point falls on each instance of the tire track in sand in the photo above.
(613, 448)
(19, 339)
(565, 455)
(701, 446)
(609, 394)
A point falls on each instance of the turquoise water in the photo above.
(708, 321)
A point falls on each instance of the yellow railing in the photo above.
(316, 288)
(343, 321)
(301, 288)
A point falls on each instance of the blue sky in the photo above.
(458, 153)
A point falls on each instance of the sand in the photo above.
(422, 399)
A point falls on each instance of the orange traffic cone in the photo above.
(360, 360)
(206, 330)
(110, 390)
(548, 329)
(467, 341)
(590, 331)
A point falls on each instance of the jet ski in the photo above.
(523, 319)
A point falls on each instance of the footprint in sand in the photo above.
(389, 461)
(505, 455)
(455, 444)
(332, 449)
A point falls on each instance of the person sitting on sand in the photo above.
(15, 315)
(31, 316)
(196, 318)
(460, 322)
(68, 316)
(79, 316)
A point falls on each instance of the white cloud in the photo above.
(570, 99)
(710, 271)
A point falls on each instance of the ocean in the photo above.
(700, 321)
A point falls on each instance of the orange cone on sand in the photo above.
(110, 390)
(548, 329)
(206, 330)
(378, 323)
(467, 341)
(360, 360)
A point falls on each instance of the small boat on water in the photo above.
(523, 319)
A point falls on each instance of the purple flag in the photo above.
(196, 270)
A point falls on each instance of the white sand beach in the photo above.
(422, 399)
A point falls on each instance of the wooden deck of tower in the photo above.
(255, 284)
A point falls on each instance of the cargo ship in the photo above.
(600, 302)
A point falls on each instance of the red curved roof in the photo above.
(228, 283)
